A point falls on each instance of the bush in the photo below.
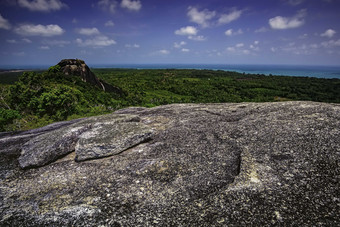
(7, 117)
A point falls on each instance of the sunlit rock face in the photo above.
(246, 164)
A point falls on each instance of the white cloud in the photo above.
(288, 22)
(60, 43)
(246, 52)
(231, 32)
(328, 33)
(39, 30)
(99, 41)
(12, 41)
(227, 18)
(4, 24)
(197, 37)
(179, 45)
(304, 36)
(25, 40)
(189, 30)
(109, 24)
(19, 54)
(185, 50)
(240, 48)
(200, 17)
(164, 52)
(302, 49)
(44, 48)
(109, 5)
(131, 5)
(295, 2)
(132, 45)
(239, 45)
(331, 43)
(88, 31)
(231, 49)
(42, 5)
(262, 29)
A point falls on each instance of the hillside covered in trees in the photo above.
(34, 99)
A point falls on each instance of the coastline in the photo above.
(327, 72)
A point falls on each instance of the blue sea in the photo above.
(285, 70)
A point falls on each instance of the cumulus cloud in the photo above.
(231, 32)
(42, 5)
(185, 50)
(88, 31)
(328, 33)
(164, 52)
(197, 37)
(288, 22)
(262, 29)
(200, 17)
(39, 30)
(109, 24)
(132, 45)
(109, 5)
(4, 24)
(331, 43)
(189, 30)
(131, 5)
(254, 46)
(60, 43)
(44, 48)
(295, 2)
(25, 40)
(98, 41)
(12, 41)
(239, 45)
(180, 44)
(241, 48)
(227, 18)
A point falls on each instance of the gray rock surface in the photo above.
(48, 147)
(260, 164)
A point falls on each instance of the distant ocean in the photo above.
(285, 70)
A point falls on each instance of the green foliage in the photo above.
(38, 99)
(54, 69)
(7, 117)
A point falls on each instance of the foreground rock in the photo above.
(178, 165)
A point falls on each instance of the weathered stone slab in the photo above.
(110, 139)
(48, 147)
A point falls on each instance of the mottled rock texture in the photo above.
(246, 164)
(78, 67)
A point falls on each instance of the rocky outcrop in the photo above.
(78, 67)
(241, 164)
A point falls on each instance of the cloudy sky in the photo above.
(41, 32)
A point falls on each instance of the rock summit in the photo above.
(78, 67)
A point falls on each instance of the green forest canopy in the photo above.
(34, 99)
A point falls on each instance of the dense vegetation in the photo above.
(36, 99)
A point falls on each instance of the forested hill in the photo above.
(37, 99)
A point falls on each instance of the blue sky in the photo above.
(42, 32)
